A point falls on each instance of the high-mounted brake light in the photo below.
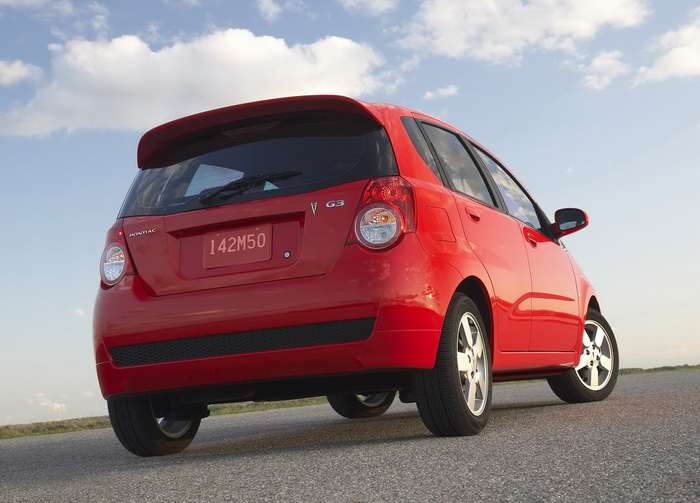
(385, 213)
(115, 263)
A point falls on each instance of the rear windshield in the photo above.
(257, 159)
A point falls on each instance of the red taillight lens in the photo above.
(115, 262)
(385, 213)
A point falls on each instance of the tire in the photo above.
(144, 434)
(595, 375)
(454, 397)
(355, 406)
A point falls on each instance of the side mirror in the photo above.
(568, 220)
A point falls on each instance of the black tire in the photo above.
(144, 434)
(454, 397)
(355, 406)
(595, 376)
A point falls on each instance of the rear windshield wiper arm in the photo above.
(242, 185)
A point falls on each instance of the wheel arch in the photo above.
(475, 289)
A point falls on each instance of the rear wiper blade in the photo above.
(242, 185)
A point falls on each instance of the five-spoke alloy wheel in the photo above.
(454, 398)
(596, 373)
(142, 432)
(355, 406)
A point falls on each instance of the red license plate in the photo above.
(242, 246)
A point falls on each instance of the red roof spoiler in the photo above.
(163, 135)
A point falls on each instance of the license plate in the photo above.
(241, 246)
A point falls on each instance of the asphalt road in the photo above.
(641, 444)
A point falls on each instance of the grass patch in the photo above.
(632, 371)
(25, 430)
(93, 423)
(237, 408)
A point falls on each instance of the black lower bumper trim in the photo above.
(252, 341)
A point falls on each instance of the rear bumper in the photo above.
(369, 314)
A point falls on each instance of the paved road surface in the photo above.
(641, 444)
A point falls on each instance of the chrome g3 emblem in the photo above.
(329, 204)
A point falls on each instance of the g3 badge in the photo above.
(329, 204)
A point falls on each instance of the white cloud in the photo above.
(181, 3)
(499, 31)
(41, 400)
(410, 64)
(99, 19)
(24, 3)
(681, 53)
(17, 71)
(124, 84)
(603, 69)
(269, 9)
(371, 7)
(443, 92)
(60, 6)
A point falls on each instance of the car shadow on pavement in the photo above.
(287, 434)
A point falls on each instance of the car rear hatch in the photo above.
(250, 197)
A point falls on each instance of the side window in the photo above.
(421, 146)
(517, 201)
(460, 166)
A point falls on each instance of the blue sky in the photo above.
(592, 103)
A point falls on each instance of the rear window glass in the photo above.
(268, 157)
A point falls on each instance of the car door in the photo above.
(494, 237)
(555, 318)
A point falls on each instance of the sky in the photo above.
(591, 103)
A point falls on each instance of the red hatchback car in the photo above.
(321, 245)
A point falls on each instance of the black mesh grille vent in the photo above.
(250, 341)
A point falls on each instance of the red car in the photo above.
(321, 245)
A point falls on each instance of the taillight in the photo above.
(114, 263)
(385, 213)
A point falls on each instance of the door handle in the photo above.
(531, 239)
(473, 214)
